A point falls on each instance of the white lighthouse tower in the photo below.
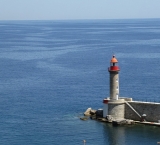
(114, 79)
(113, 105)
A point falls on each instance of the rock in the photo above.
(109, 118)
(84, 118)
(102, 119)
(118, 122)
(122, 122)
(87, 112)
(93, 117)
(93, 112)
(129, 122)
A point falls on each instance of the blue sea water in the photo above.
(52, 71)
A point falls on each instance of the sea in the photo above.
(52, 71)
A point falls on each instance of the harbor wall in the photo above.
(152, 111)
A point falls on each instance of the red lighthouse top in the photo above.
(113, 66)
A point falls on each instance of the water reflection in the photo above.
(131, 135)
(116, 135)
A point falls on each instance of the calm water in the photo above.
(52, 71)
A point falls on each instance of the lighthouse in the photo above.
(114, 104)
(114, 78)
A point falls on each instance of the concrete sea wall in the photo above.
(152, 110)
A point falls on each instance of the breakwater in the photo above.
(152, 110)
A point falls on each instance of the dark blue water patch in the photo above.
(83, 59)
(18, 32)
(16, 69)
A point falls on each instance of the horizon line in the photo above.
(77, 19)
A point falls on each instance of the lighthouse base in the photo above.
(116, 108)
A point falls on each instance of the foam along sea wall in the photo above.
(152, 111)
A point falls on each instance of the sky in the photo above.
(78, 9)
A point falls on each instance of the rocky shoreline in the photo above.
(98, 115)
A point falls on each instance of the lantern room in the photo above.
(113, 64)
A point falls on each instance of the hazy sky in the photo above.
(78, 9)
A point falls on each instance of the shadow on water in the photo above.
(131, 135)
